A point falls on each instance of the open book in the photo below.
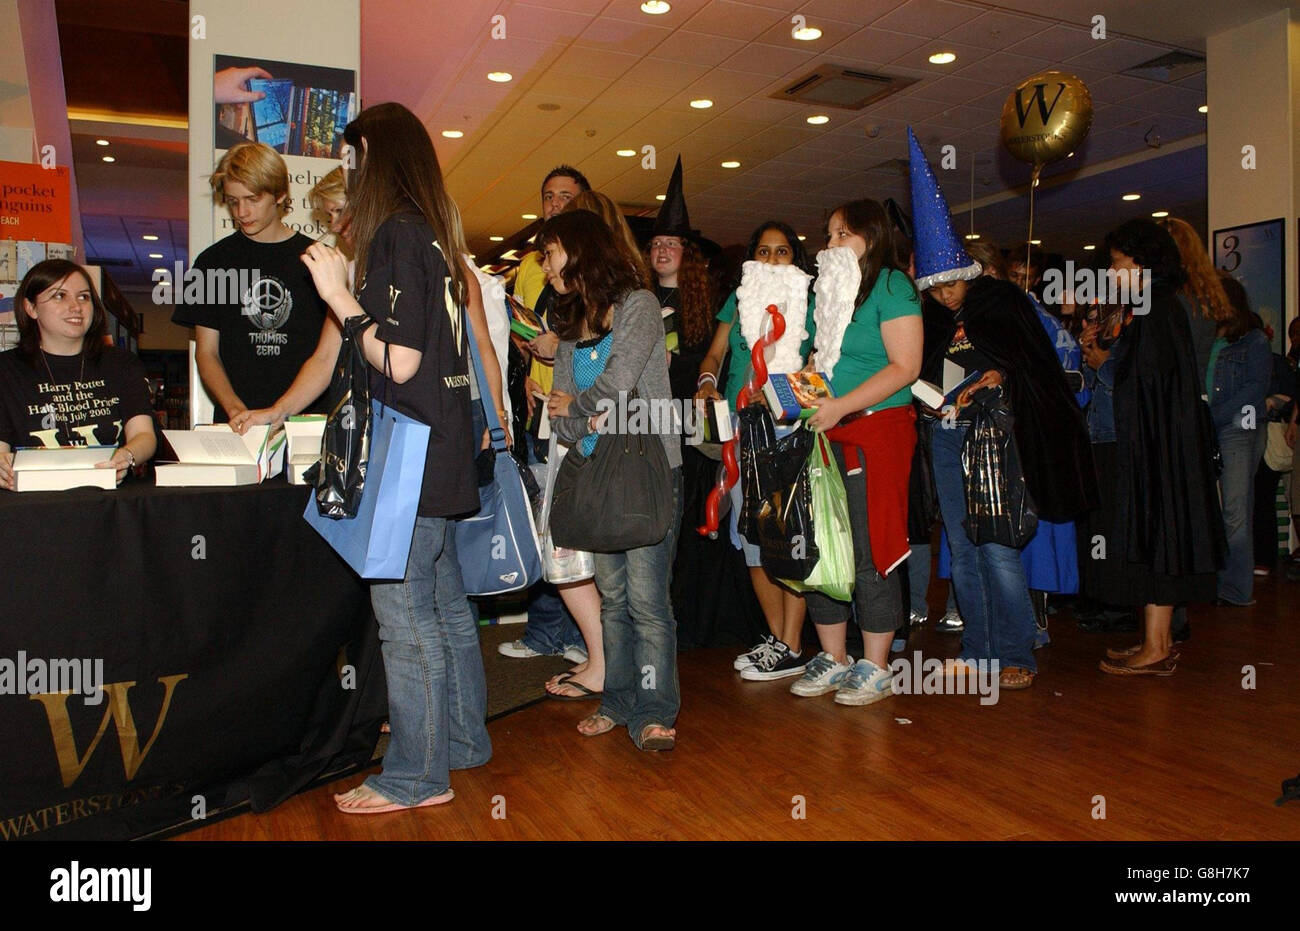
(524, 322)
(932, 396)
(303, 437)
(216, 455)
(63, 467)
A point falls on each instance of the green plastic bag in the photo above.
(834, 573)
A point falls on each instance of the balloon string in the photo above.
(1029, 243)
(731, 471)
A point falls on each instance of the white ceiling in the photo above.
(623, 79)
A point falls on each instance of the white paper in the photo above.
(61, 458)
(219, 446)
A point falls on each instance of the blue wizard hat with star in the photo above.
(940, 256)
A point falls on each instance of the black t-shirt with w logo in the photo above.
(407, 291)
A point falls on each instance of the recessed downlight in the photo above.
(818, 119)
(625, 153)
(530, 216)
(661, 197)
(452, 133)
(1158, 214)
(943, 58)
(1089, 247)
(149, 237)
(731, 164)
(101, 142)
(807, 33)
(702, 104)
(155, 255)
(972, 236)
(497, 238)
(500, 77)
(109, 158)
(1131, 197)
(656, 7)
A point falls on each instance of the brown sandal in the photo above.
(1161, 667)
(603, 723)
(1015, 678)
(1112, 653)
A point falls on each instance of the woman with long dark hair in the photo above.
(61, 386)
(413, 283)
(1167, 540)
(611, 345)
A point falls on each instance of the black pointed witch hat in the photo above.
(673, 219)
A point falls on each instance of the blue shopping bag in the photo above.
(497, 548)
(377, 542)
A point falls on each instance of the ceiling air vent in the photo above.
(1169, 68)
(846, 88)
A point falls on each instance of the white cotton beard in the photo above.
(838, 277)
(787, 287)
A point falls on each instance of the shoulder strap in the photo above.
(495, 430)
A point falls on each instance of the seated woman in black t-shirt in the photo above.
(62, 386)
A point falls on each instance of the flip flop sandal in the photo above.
(606, 725)
(353, 794)
(661, 742)
(1015, 678)
(558, 678)
(1161, 667)
(587, 694)
(1133, 651)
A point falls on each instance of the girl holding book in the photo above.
(868, 343)
(778, 655)
(413, 283)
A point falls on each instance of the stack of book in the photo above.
(63, 467)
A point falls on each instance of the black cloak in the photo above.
(1167, 500)
(1051, 433)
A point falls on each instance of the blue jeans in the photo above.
(437, 694)
(640, 633)
(1242, 451)
(989, 580)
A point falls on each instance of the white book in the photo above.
(303, 437)
(248, 459)
(63, 467)
(64, 479)
(189, 475)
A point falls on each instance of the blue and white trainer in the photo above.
(865, 683)
(822, 675)
(749, 658)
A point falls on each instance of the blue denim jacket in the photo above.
(1241, 378)
(1101, 408)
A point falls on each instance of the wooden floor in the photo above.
(1195, 756)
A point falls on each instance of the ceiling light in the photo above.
(452, 133)
(163, 270)
(109, 158)
(1203, 108)
(731, 164)
(625, 153)
(655, 7)
(942, 58)
(807, 33)
(530, 216)
(501, 77)
(149, 237)
(1089, 247)
(802, 238)
(1132, 197)
(155, 255)
(661, 197)
(972, 235)
(497, 238)
(1160, 213)
(702, 104)
(101, 142)
(1035, 242)
(819, 119)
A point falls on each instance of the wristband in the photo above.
(699, 382)
(129, 455)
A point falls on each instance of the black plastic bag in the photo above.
(786, 538)
(345, 447)
(756, 432)
(998, 506)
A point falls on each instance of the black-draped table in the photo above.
(238, 655)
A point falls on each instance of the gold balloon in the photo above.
(1046, 117)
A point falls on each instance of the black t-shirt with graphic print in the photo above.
(269, 323)
(66, 406)
(407, 292)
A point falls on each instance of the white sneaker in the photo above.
(822, 675)
(916, 620)
(517, 649)
(950, 623)
(865, 683)
(745, 660)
